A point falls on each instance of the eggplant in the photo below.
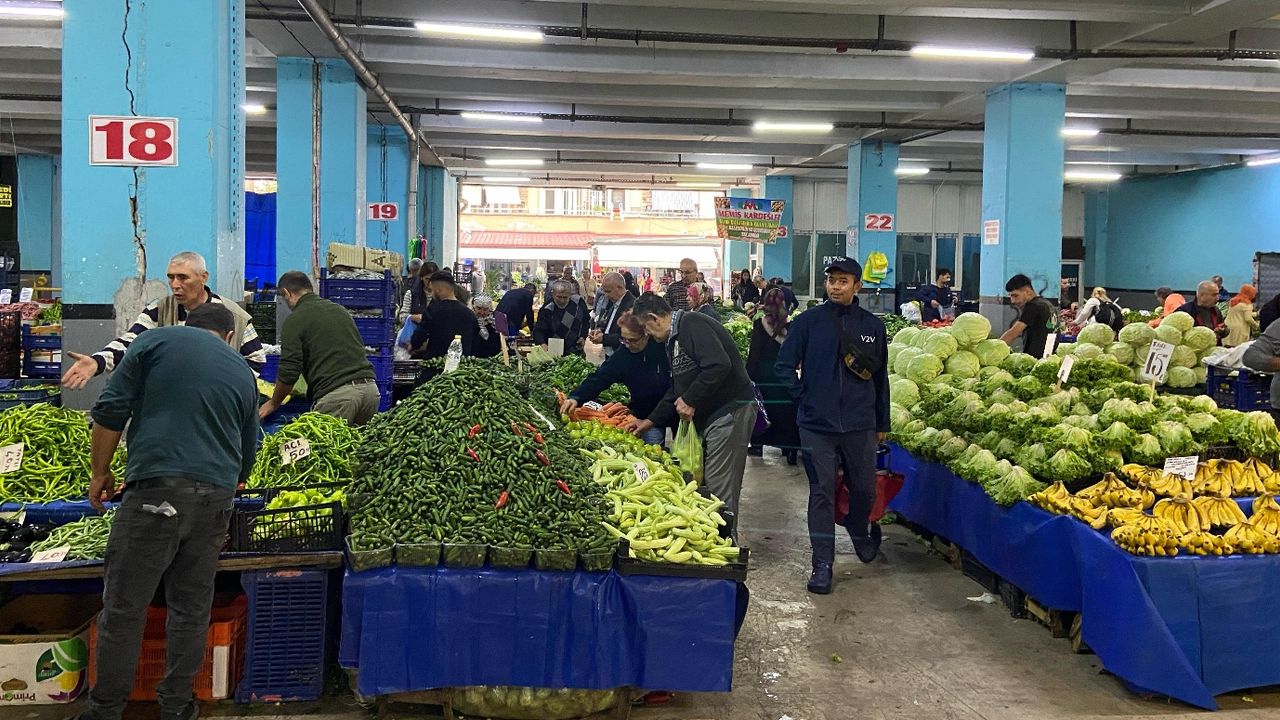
(23, 534)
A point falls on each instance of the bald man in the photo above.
(1204, 309)
(678, 291)
(617, 302)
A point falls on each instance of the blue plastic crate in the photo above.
(359, 293)
(286, 639)
(384, 397)
(383, 366)
(41, 369)
(376, 332)
(34, 341)
(1243, 391)
(29, 392)
(58, 512)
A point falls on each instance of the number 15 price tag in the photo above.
(10, 458)
(294, 450)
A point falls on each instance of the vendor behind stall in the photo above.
(445, 318)
(644, 369)
(1204, 309)
(487, 343)
(563, 318)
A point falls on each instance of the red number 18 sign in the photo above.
(130, 141)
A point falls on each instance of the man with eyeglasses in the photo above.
(678, 291)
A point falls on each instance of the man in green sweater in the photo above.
(319, 342)
(190, 402)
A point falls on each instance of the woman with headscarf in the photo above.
(1241, 324)
(745, 291)
(700, 300)
(1170, 301)
(767, 335)
(487, 342)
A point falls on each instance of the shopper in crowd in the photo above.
(410, 278)
(319, 341)
(187, 277)
(643, 367)
(937, 300)
(1169, 301)
(700, 300)
(1240, 321)
(446, 318)
(1224, 296)
(648, 283)
(487, 343)
(1036, 316)
(1269, 312)
(843, 399)
(517, 306)
(1204, 309)
(616, 302)
(562, 317)
(417, 296)
(791, 301)
(744, 290)
(1100, 308)
(566, 275)
(190, 404)
(767, 335)
(678, 291)
(709, 387)
(1263, 355)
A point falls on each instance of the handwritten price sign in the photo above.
(294, 450)
(10, 458)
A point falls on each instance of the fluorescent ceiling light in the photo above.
(255, 109)
(1091, 176)
(744, 167)
(1274, 159)
(704, 185)
(33, 12)
(514, 162)
(1079, 132)
(501, 117)
(939, 51)
(910, 171)
(510, 179)
(797, 127)
(480, 32)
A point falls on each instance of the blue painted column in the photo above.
(387, 181)
(121, 225)
(873, 190)
(1096, 209)
(431, 203)
(37, 222)
(777, 256)
(1021, 192)
(736, 252)
(300, 243)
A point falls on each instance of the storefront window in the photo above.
(971, 267)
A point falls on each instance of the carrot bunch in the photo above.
(613, 414)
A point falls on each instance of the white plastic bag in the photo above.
(911, 311)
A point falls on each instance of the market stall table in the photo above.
(229, 562)
(410, 629)
(1188, 627)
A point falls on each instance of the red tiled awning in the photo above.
(516, 239)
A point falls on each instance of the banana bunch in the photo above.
(1124, 516)
(1111, 492)
(1266, 514)
(1214, 479)
(1157, 481)
(1147, 536)
(1136, 473)
(1206, 543)
(1182, 513)
(1085, 511)
(1249, 538)
(1272, 482)
(1055, 499)
(1217, 512)
(1231, 478)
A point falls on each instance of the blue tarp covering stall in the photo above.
(409, 629)
(260, 238)
(1188, 627)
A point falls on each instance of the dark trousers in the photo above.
(149, 544)
(823, 455)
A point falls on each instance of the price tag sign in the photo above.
(6, 296)
(556, 347)
(1064, 372)
(294, 450)
(1157, 365)
(1050, 343)
(593, 405)
(1183, 467)
(24, 295)
(57, 554)
(10, 458)
(642, 471)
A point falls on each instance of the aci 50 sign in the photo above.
(131, 141)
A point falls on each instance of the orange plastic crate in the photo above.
(223, 664)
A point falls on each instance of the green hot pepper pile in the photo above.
(55, 456)
(466, 459)
(86, 538)
(333, 443)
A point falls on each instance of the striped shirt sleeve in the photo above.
(252, 350)
(111, 355)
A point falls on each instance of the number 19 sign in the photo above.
(133, 141)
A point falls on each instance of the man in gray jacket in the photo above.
(1264, 356)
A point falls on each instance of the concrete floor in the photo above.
(910, 644)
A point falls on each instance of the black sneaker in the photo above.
(867, 546)
(820, 580)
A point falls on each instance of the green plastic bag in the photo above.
(687, 450)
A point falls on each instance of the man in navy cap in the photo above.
(842, 394)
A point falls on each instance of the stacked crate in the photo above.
(377, 332)
(41, 354)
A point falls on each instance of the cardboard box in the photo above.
(44, 648)
(354, 256)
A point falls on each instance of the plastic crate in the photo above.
(271, 369)
(41, 369)
(405, 372)
(359, 293)
(288, 530)
(263, 315)
(286, 638)
(29, 392)
(385, 399)
(376, 331)
(223, 664)
(1242, 390)
(383, 367)
(40, 341)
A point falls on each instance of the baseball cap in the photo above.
(844, 264)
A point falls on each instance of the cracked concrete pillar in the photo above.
(150, 189)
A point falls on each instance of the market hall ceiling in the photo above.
(651, 88)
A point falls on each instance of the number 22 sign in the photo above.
(877, 222)
(133, 141)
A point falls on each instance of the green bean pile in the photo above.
(55, 457)
(465, 459)
(332, 441)
(87, 537)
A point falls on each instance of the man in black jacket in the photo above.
(445, 318)
(620, 301)
(709, 386)
(564, 318)
(517, 305)
(843, 399)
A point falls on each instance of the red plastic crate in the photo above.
(223, 664)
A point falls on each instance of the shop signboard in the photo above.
(756, 220)
(991, 232)
(6, 196)
(133, 141)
